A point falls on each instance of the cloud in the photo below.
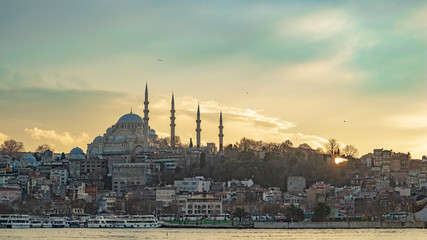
(3, 137)
(317, 26)
(256, 117)
(64, 138)
(11, 79)
(418, 121)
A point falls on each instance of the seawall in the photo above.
(337, 225)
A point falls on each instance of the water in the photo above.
(208, 234)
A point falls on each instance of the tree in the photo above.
(332, 146)
(43, 148)
(6, 209)
(91, 208)
(202, 163)
(321, 212)
(11, 146)
(294, 213)
(287, 145)
(178, 142)
(240, 213)
(319, 150)
(107, 181)
(304, 146)
(271, 208)
(351, 151)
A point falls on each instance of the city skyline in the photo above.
(304, 71)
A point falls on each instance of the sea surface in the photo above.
(207, 234)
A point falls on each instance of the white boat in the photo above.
(74, 223)
(46, 223)
(105, 221)
(36, 222)
(15, 221)
(140, 221)
(58, 222)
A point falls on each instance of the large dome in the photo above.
(77, 150)
(130, 118)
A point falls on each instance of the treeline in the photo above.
(270, 166)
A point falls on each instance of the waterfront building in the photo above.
(205, 204)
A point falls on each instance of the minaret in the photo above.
(172, 123)
(198, 129)
(145, 127)
(221, 134)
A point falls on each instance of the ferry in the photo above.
(58, 222)
(15, 221)
(105, 221)
(74, 223)
(35, 222)
(140, 221)
(40, 222)
(46, 223)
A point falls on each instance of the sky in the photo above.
(306, 71)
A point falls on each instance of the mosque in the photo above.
(132, 135)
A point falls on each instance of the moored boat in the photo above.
(105, 221)
(140, 221)
(15, 221)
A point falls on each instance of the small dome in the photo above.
(29, 159)
(119, 138)
(110, 138)
(152, 132)
(99, 138)
(77, 150)
(109, 130)
(130, 118)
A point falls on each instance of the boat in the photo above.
(58, 222)
(35, 222)
(15, 221)
(46, 222)
(140, 221)
(105, 221)
(74, 223)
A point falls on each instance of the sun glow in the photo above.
(339, 160)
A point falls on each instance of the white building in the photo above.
(164, 195)
(196, 184)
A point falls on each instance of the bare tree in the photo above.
(332, 146)
(178, 142)
(351, 151)
(11, 146)
(43, 148)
